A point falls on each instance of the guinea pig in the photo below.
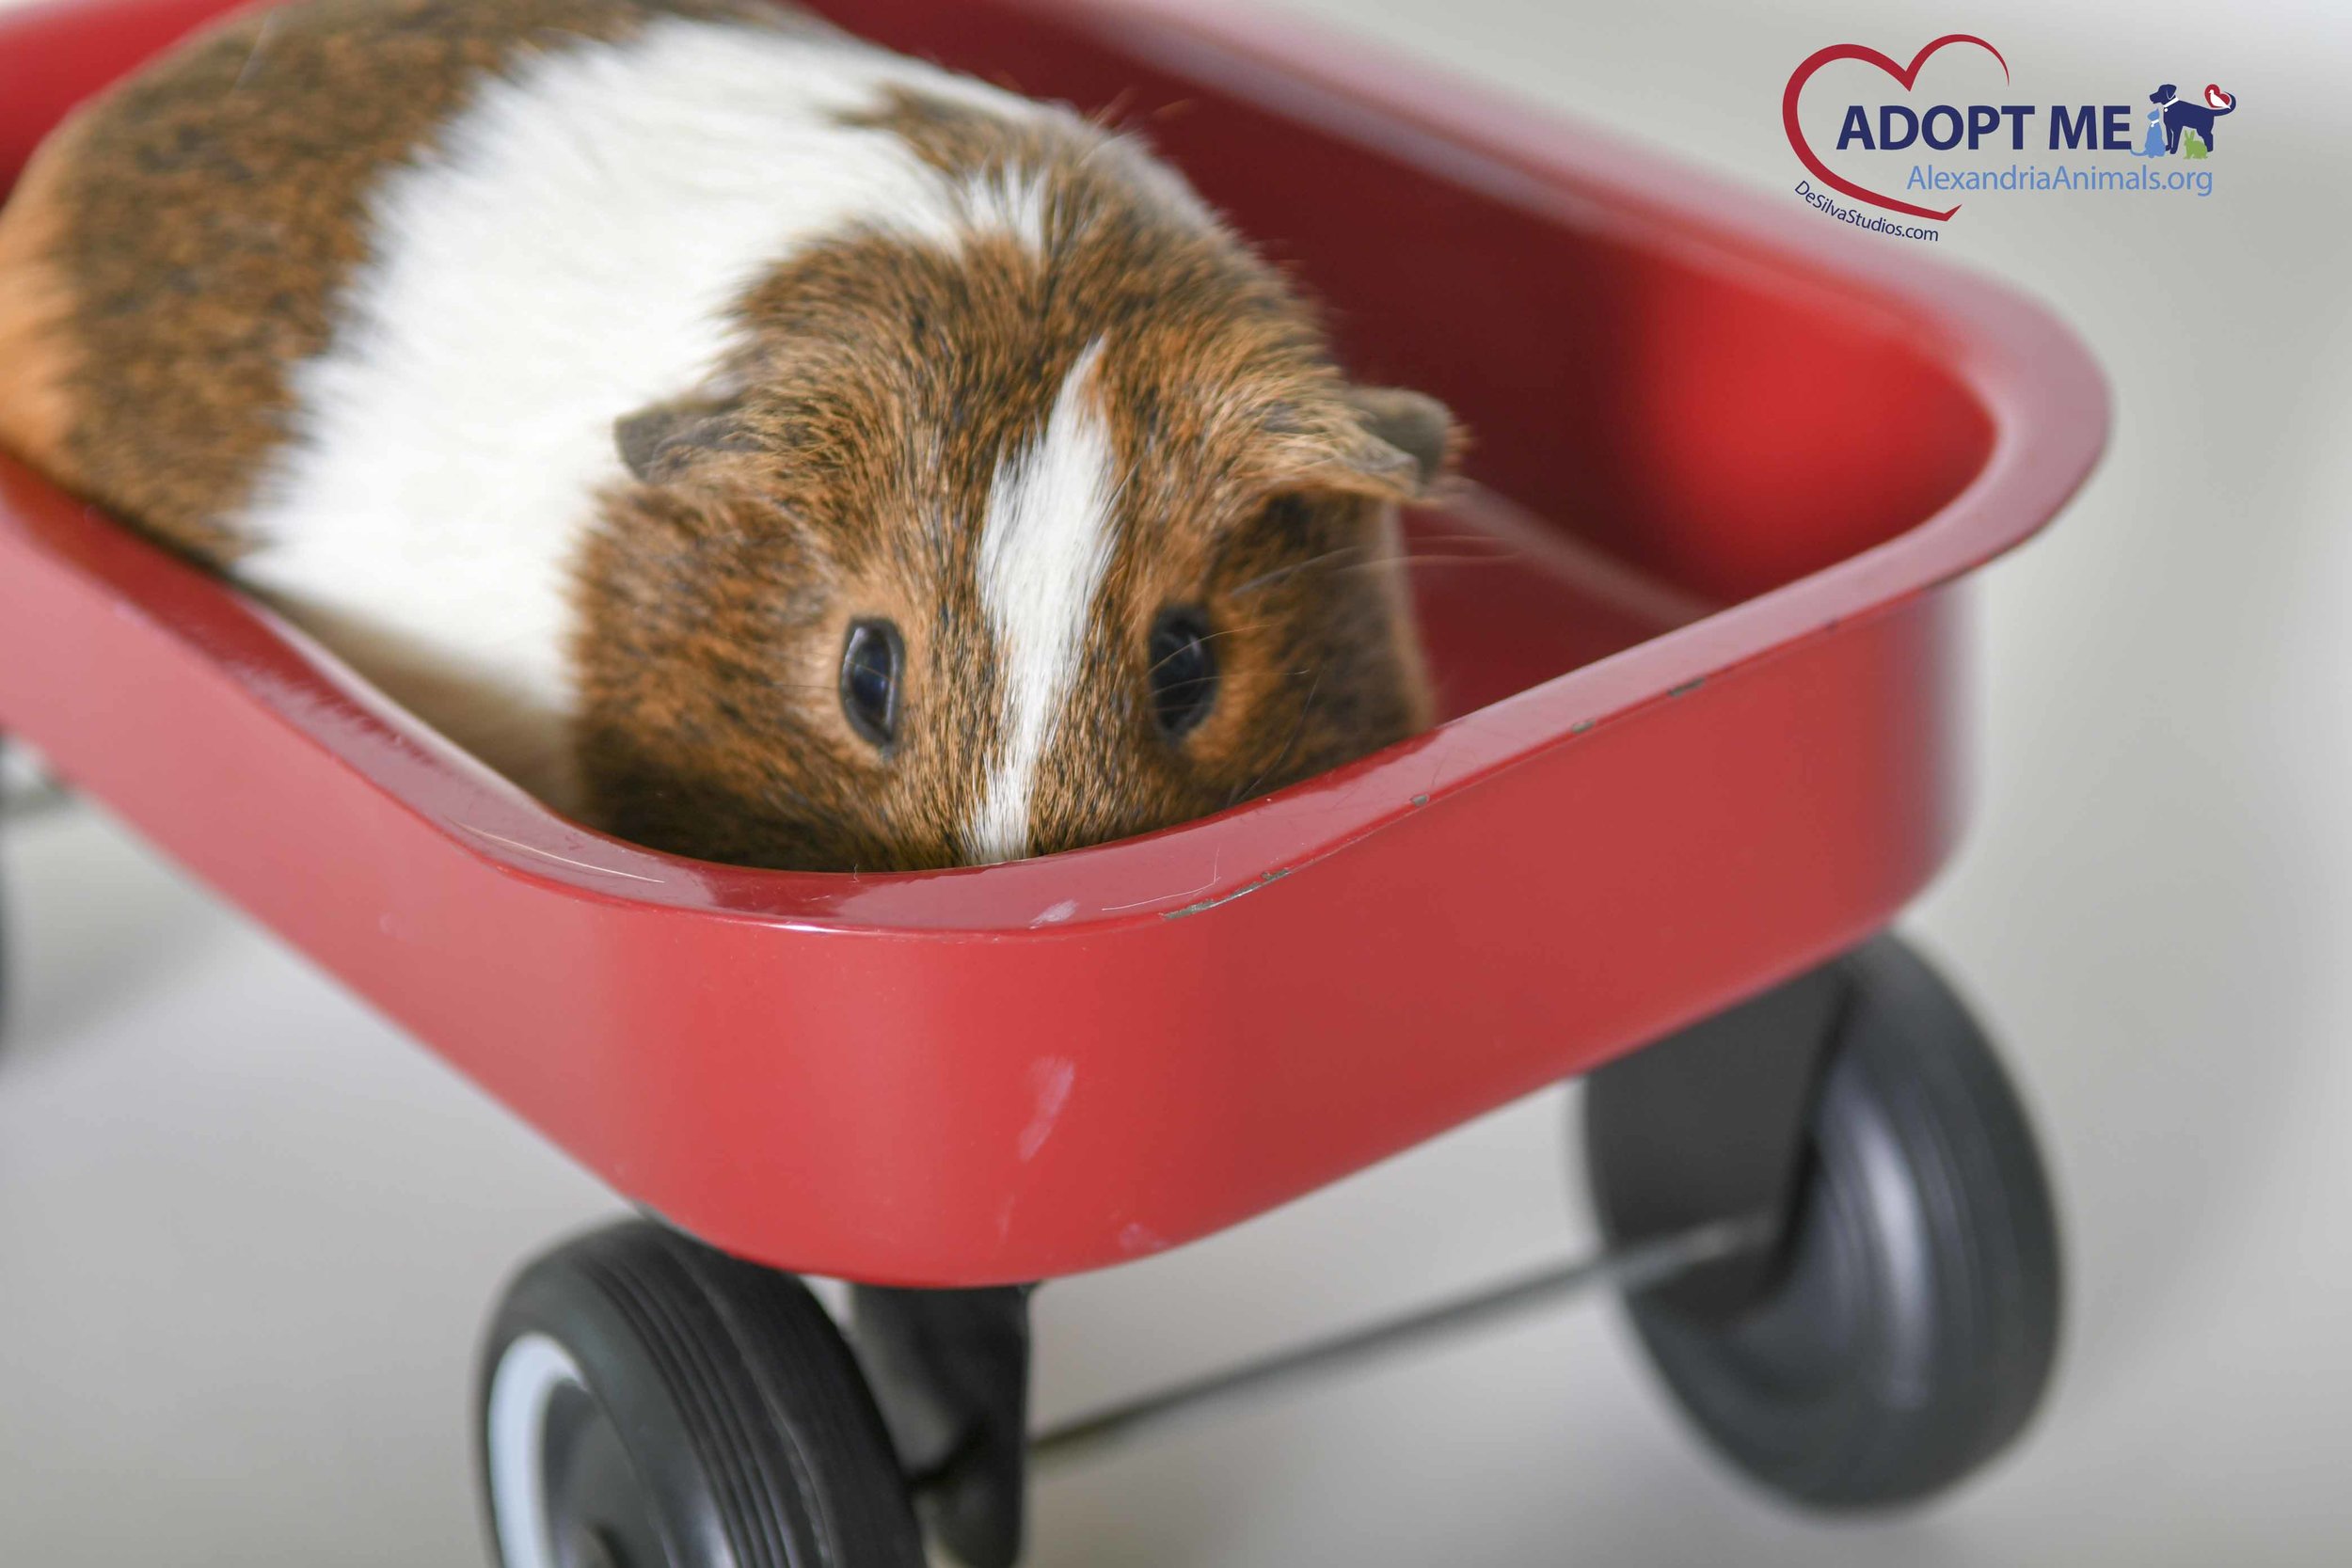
(753, 443)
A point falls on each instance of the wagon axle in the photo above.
(1633, 1268)
(1824, 1214)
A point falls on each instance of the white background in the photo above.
(248, 1232)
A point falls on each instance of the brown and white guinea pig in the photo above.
(755, 443)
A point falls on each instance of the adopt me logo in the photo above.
(1872, 133)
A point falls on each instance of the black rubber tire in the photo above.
(644, 1400)
(1910, 1330)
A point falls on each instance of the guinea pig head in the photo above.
(975, 572)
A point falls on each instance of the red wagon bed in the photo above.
(1695, 629)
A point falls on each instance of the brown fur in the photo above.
(887, 382)
(207, 211)
(39, 358)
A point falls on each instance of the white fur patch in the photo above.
(1009, 198)
(1046, 543)
(567, 254)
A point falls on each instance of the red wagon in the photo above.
(1699, 643)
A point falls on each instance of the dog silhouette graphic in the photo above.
(2182, 115)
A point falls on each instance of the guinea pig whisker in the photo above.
(1265, 579)
(1427, 561)
(1497, 553)
(1229, 631)
(1471, 538)
(1305, 710)
(253, 55)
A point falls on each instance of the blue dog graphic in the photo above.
(2180, 114)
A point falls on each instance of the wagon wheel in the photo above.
(1906, 1329)
(647, 1402)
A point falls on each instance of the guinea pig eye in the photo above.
(1183, 671)
(870, 661)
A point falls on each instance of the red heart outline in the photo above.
(1905, 74)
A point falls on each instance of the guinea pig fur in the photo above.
(756, 444)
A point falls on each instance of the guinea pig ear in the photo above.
(1378, 441)
(660, 442)
(1414, 423)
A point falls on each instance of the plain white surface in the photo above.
(247, 1233)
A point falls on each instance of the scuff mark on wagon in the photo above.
(1050, 1080)
(1135, 1238)
(1241, 892)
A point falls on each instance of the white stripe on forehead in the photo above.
(1044, 546)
